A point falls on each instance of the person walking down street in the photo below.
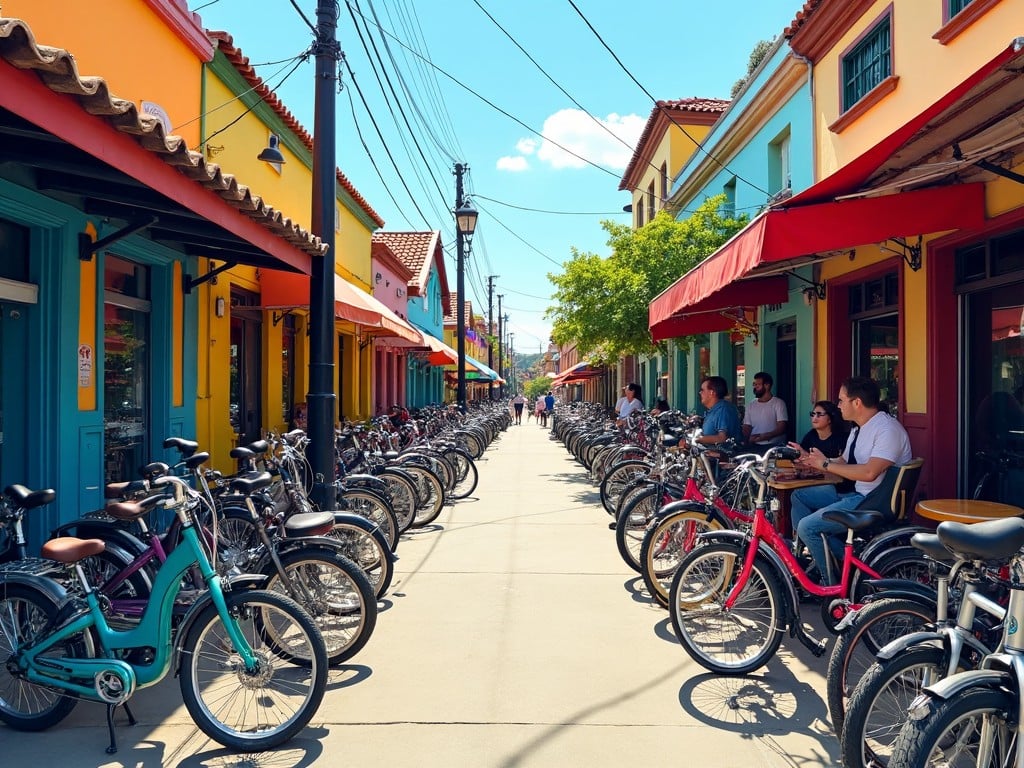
(876, 442)
(766, 418)
(634, 402)
(549, 408)
(722, 420)
(517, 403)
(538, 408)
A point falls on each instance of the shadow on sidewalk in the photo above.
(304, 750)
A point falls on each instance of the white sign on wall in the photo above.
(84, 365)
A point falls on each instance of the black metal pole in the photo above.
(490, 331)
(321, 400)
(501, 356)
(460, 312)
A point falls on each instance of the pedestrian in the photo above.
(766, 418)
(876, 442)
(517, 403)
(549, 408)
(538, 407)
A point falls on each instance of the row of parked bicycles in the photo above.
(236, 584)
(927, 666)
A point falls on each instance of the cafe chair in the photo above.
(895, 493)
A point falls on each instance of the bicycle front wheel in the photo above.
(729, 641)
(950, 731)
(666, 543)
(253, 710)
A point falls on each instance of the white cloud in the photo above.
(515, 164)
(526, 146)
(582, 135)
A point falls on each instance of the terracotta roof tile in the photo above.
(660, 115)
(801, 18)
(56, 68)
(418, 251)
(240, 62)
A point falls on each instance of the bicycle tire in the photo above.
(282, 697)
(664, 545)
(367, 548)
(854, 650)
(25, 615)
(432, 490)
(374, 507)
(335, 593)
(724, 642)
(618, 478)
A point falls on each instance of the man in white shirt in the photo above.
(766, 418)
(876, 443)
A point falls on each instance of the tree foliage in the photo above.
(601, 303)
(760, 50)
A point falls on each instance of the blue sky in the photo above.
(536, 201)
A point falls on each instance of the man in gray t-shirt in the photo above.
(876, 442)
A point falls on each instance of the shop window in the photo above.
(126, 367)
(868, 63)
(244, 409)
(651, 210)
(664, 182)
(873, 311)
(779, 179)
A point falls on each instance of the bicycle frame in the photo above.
(763, 532)
(153, 631)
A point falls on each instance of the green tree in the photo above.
(601, 303)
(761, 49)
(536, 387)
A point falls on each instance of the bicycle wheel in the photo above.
(258, 709)
(902, 562)
(947, 732)
(878, 705)
(367, 549)
(25, 615)
(665, 544)
(618, 478)
(873, 627)
(335, 593)
(466, 475)
(368, 504)
(239, 546)
(402, 490)
(431, 492)
(734, 641)
(632, 524)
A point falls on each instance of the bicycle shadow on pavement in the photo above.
(760, 706)
(302, 751)
(347, 675)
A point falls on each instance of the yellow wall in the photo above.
(125, 43)
(926, 71)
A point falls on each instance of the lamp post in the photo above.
(512, 360)
(465, 224)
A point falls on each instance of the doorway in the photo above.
(785, 373)
(14, 258)
(246, 372)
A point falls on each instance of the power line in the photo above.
(541, 210)
(520, 239)
(305, 18)
(527, 295)
(661, 108)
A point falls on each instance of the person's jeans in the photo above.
(806, 508)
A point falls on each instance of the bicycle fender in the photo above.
(362, 480)
(49, 588)
(709, 511)
(950, 687)
(742, 540)
(900, 644)
(904, 588)
(321, 544)
(888, 539)
(242, 581)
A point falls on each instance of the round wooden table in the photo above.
(966, 510)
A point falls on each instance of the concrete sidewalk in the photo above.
(513, 636)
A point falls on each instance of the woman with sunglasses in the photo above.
(828, 430)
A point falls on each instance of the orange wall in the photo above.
(128, 45)
(926, 70)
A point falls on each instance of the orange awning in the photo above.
(284, 290)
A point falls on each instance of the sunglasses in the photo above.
(818, 414)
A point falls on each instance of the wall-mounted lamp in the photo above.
(271, 154)
(809, 296)
(218, 306)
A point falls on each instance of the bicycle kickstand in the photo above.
(112, 749)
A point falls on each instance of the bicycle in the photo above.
(733, 597)
(251, 663)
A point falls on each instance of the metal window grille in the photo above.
(868, 64)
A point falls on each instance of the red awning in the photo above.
(280, 289)
(793, 233)
(578, 372)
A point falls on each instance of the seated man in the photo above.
(876, 443)
(722, 420)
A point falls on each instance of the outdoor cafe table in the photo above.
(787, 480)
(966, 510)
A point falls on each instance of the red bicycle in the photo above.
(735, 594)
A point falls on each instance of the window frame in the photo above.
(871, 32)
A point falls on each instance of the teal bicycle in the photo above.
(251, 663)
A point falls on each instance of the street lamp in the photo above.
(465, 224)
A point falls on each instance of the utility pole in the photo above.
(501, 355)
(490, 331)
(511, 356)
(320, 399)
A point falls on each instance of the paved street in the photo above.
(513, 636)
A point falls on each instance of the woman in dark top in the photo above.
(828, 430)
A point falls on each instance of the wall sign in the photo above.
(84, 365)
